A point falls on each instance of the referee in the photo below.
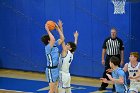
(112, 46)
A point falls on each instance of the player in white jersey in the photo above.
(133, 68)
(64, 64)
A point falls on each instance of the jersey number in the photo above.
(70, 60)
(134, 74)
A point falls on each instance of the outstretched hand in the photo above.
(46, 27)
(109, 76)
(60, 24)
(109, 70)
(57, 27)
(103, 80)
(76, 34)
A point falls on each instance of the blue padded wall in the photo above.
(135, 33)
(22, 25)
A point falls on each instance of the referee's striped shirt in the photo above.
(113, 46)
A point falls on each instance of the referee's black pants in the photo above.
(107, 66)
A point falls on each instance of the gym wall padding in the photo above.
(135, 23)
(22, 25)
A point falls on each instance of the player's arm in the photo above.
(122, 52)
(117, 81)
(52, 39)
(103, 56)
(59, 28)
(61, 41)
(122, 57)
(109, 70)
(112, 80)
(104, 52)
(76, 34)
(125, 68)
(106, 81)
(64, 49)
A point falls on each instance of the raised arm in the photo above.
(59, 28)
(76, 34)
(52, 39)
(61, 40)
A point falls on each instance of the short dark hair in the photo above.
(115, 60)
(45, 39)
(73, 46)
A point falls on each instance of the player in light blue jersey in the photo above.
(118, 76)
(52, 56)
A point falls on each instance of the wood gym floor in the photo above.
(14, 81)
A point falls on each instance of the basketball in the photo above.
(50, 24)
